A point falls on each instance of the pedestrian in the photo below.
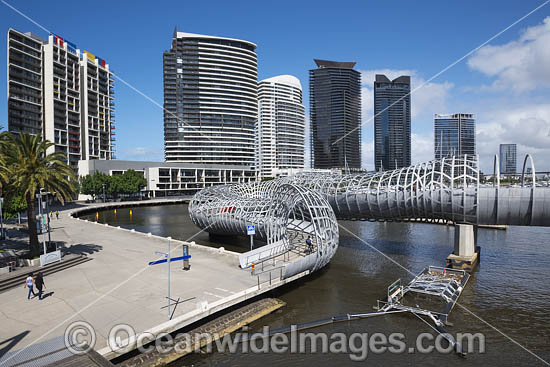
(29, 283)
(57, 214)
(51, 214)
(309, 244)
(39, 282)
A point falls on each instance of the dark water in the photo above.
(510, 291)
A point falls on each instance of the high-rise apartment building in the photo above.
(454, 135)
(392, 122)
(210, 100)
(63, 94)
(335, 115)
(280, 132)
(508, 158)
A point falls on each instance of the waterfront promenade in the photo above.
(118, 286)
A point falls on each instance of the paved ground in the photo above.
(89, 292)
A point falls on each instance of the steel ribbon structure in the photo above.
(448, 189)
(284, 215)
(287, 210)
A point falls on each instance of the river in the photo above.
(510, 291)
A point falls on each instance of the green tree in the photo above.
(14, 203)
(131, 182)
(93, 184)
(28, 168)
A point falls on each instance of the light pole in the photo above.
(48, 216)
(1, 220)
(39, 197)
(103, 186)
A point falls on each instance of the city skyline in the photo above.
(501, 101)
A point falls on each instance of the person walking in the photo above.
(309, 245)
(57, 214)
(39, 282)
(29, 283)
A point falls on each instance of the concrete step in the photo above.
(17, 278)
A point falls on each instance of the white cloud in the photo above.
(520, 65)
(143, 154)
(527, 126)
(422, 147)
(367, 155)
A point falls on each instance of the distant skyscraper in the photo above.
(63, 94)
(454, 134)
(210, 100)
(335, 115)
(392, 122)
(508, 158)
(281, 125)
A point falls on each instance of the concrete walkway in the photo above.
(118, 286)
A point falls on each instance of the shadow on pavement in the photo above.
(80, 249)
(48, 294)
(8, 344)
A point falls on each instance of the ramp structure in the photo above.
(285, 216)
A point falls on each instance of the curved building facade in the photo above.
(210, 100)
(281, 126)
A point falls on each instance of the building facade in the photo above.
(280, 131)
(63, 94)
(335, 115)
(210, 100)
(454, 134)
(392, 122)
(171, 178)
(508, 158)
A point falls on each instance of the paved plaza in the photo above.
(118, 286)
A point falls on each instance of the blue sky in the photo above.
(506, 84)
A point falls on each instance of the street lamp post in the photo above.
(1, 220)
(39, 197)
(103, 186)
(48, 216)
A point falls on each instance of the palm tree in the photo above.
(26, 165)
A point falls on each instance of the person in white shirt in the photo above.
(29, 283)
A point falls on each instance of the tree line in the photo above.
(129, 183)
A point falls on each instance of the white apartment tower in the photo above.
(281, 126)
(63, 94)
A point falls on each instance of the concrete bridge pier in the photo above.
(466, 252)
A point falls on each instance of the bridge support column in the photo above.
(466, 252)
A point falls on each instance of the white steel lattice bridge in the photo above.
(288, 210)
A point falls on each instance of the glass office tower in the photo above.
(454, 134)
(335, 115)
(508, 158)
(392, 122)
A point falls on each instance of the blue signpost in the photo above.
(251, 231)
(167, 259)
